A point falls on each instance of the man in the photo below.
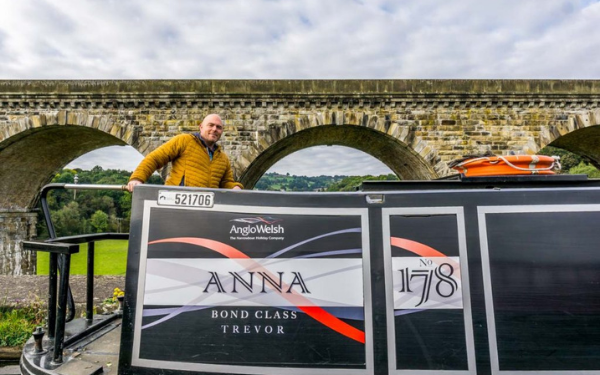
(196, 159)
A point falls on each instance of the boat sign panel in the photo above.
(459, 281)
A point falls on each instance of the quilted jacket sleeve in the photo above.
(158, 158)
(227, 181)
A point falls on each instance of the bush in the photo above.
(568, 159)
(18, 321)
(587, 169)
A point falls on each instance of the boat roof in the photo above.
(489, 182)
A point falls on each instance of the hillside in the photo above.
(287, 182)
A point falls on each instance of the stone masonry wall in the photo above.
(440, 120)
(14, 228)
(436, 132)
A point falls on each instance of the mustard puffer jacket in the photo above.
(190, 163)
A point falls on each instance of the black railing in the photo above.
(91, 240)
(60, 250)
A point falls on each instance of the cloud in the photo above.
(310, 39)
(325, 160)
(286, 39)
(113, 157)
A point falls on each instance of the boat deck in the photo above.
(96, 353)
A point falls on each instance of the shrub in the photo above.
(18, 321)
(583, 168)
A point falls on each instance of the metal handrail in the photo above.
(56, 321)
(90, 239)
(84, 238)
(52, 233)
(62, 249)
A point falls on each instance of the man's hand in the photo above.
(236, 188)
(132, 184)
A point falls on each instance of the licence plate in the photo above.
(174, 198)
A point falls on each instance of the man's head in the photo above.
(211, 129)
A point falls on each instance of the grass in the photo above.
(110, 259)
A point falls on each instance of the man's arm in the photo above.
(155, 160)
(227, 182)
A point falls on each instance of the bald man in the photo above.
(196, 159)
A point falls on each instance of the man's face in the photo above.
(211, 130)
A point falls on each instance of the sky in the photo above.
(299, 39)
(314, 161)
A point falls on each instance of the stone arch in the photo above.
(579, 135)
(398, 156)
(33, 148)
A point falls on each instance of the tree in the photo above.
(99, 221)
(68, 220)
(65, 176)
(125, 205)
(352, 183)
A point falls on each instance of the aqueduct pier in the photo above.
(413, 126)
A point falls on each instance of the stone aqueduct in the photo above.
(413, 126)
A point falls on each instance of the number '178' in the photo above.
(442, 273)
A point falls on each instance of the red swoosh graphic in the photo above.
(315, 312)
(219, 247)
(416, 247)
(267, 221)
(422, 250)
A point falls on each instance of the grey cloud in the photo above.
(113, 157)
(324, 160)
(309, 39)
(4, 55)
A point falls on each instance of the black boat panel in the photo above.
(428, 281)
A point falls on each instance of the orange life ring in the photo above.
(508, 165)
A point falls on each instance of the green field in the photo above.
(110, 259)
